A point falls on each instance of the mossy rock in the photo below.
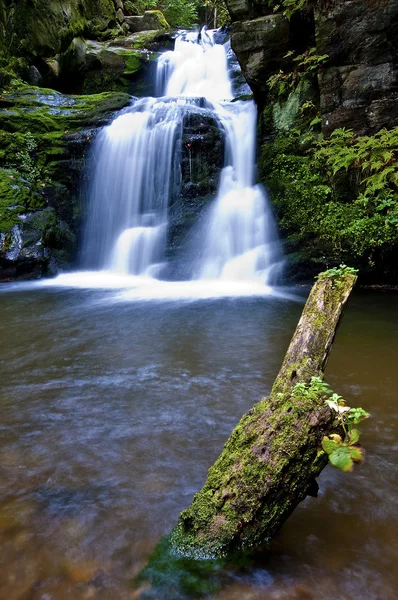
(17, 196)
(43, 137)
(45, 111)
(46, 27)
(150, 20)
(89, 66)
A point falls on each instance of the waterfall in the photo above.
(136, 175)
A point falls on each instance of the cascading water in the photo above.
(137, 175)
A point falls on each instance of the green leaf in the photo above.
(356, 454)
(330, 446)
(341, 459)
(354, 436)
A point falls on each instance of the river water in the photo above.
(114, 407)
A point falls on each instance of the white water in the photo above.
(137, 175)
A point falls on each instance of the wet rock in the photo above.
(89, 66)
(359, 85)
(149, 21)
(34, 76)
(202, 158)
(260, 45)
(39, 189)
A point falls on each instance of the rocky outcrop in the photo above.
(44, 138)
(68, 46)
(260, 45)
(202, 158)
(45, 28)
(359, 84)
(151, 20)
(90, 66)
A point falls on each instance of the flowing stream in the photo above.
(137, 175)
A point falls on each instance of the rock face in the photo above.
(333, 65)
(149, 21)
(46, 27)
(202, 158)
(358, 86)
(44, 137)
(260, 45)
(89, 66)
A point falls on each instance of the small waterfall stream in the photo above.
(136, 176)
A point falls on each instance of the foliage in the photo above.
(305, 65)
(138, 7)
(183, 13)
(220, 12)
(336, 274)
(289, 7)
(26, 161)
(371, 163)
(180, 13)
(342, 451)
(336, 198)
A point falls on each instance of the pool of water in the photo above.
(113, 408)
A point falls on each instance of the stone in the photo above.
(45, 27)
(150, 20)
(120, 15)
(34, 76)
(39, 192)
(359, 83)
(91, 67)
(347, 93)
(241, 10)
(260, 46)
(238, 9)
(357, 31)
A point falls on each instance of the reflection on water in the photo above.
(111, 414)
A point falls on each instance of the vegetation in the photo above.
(184, 13)
(288, 7)
(304, 67)
(337, 197)
(342, 451)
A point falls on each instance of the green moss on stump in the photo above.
(270, 460)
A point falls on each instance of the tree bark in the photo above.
(269, 463)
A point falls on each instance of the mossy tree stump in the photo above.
(269, 463)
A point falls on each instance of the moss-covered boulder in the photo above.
(149, 21)
(46, 27)
(44, 138)
(89, 66)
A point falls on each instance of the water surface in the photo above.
(113, 409)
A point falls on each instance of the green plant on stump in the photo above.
(342, 452)
(336, 274)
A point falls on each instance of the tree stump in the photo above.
(269, 463)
